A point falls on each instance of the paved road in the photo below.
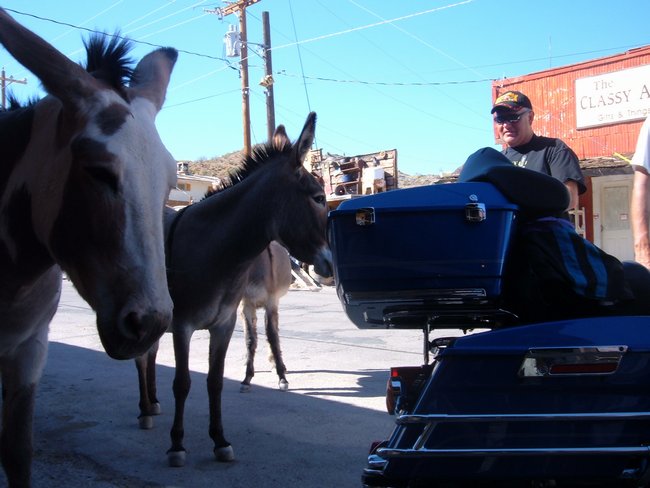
(315, 435)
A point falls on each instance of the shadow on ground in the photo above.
(86, 431)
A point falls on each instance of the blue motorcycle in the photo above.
(552, 386)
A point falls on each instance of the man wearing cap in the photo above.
(513, 116)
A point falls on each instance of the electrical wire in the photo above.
(151, 34)
(298, 43)
(88, 19)
(419, 39)
(386, 54)
(384, 83)
(118, 36)
(390, 97)
(363, 27)
(167, 106)
(302, 70)
(435, 49)
(328, 79)
(299, 118)
(160, 19)
(142, 17)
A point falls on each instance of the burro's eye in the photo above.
(93, 158)
(104, 176)
(319, 199)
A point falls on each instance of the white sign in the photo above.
(613, 97)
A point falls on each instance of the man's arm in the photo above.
(565, 166)
(572, 186)
(639, 214)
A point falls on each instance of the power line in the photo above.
(117, 36)
(418, 39)
(160, 19)
(390, 97)
(316, 78)
(385, 54)
(556, 56)
(142, 17)
(385, 83)
(433, 48)
(302, 70)
(229, 64)
(200, 99)
(354, 29)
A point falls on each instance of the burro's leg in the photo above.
(16, 439)
(249, 315)
(149, 404)
(272, 323)
(20, 376)
(220, 335)
(181, 388)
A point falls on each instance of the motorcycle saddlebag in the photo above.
(424, 248)
(564, 400)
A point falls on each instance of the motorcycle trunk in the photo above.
(421, 249)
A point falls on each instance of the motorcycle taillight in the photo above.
(404, 386)
(567, 361)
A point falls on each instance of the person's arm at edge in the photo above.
(639, 215)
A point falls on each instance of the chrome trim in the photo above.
(475, 212)
(523, 417)
(365, 216)
(418, 448)
(414, 296)
(549, 451)
(376, 462)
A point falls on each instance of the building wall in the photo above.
(190, 189)
(552, 93)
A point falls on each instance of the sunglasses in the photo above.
(511, 117)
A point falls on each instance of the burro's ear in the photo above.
(306, 139)
(280, 138)
(151, 76)
(61, 77)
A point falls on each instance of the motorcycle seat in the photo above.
(536, 194)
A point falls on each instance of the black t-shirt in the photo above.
(550, 156)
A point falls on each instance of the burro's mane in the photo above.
(261, 155)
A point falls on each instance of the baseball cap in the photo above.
(512, 100)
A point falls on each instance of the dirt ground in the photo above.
(315, 435)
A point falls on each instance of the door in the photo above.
(612, 226)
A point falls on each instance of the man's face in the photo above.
(515, 128)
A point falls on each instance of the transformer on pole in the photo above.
(239, 7)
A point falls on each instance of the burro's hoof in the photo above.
(146, 419)
(283, 385)
(146, 422)
(244, 388)
(176, 459)
(224, 454)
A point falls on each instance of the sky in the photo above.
(415, 76)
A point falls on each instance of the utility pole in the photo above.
(239, 7)
(4, 81)
(267, 81)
